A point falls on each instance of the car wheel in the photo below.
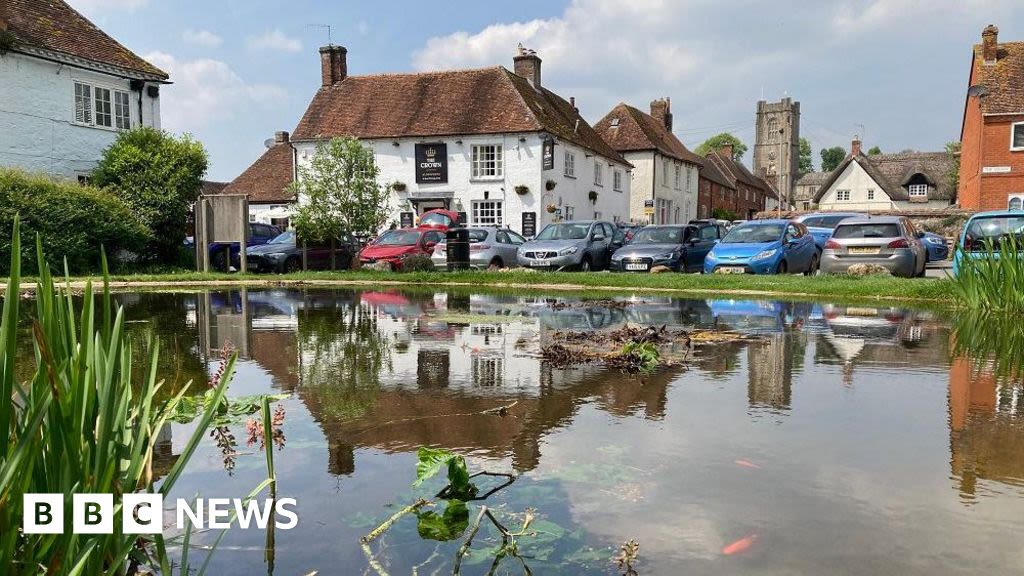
(292, 264)
(496, 264)
(585, 264)
(220, 260)
(924, 270)
(783, 268)
(812, 268)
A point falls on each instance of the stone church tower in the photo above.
(777, 145)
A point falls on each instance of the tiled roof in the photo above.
(268, 178)
(813, 179)
(736, 173)
(628, 129)
(710, 171)
(893, 172)
(1003, 80)
(483, 101)
(54, 26)
(210, 187)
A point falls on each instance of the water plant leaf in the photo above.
(429, 462)
(446, 526)
(230, 411)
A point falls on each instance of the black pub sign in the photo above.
(406, 219)
(548, 153)
(432, 163)
(529, 224)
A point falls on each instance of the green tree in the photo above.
(339, 193)
(159, 176)
(874, 151)
(953, 150)
(724, 214)
(831, 158)
(716, 142)
(806, 156)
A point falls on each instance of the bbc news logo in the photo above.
(143, 513)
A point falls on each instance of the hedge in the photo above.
(73, 221)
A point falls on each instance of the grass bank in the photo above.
(832, 287)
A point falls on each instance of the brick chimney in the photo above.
(661, 110)
(281, 137)
(725, 150)
(527, 65)
(990, 44)
(333, 64)
(855, 146)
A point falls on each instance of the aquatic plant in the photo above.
(430, 461)
(641, 355)
(77, 425)
(992, 281)
(627, 555)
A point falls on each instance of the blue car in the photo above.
(764, 247)
(936, 245)
(988, 228)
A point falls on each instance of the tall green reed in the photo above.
(78, 426)
(993, 279)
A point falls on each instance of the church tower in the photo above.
(777, 145)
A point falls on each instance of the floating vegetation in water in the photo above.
(642, 356)
(628, 553)
(229, 411)
(598, 303)
(430, 461)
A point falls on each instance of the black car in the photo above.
(679, 247)
(283, 254)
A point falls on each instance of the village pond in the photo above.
(808, 438)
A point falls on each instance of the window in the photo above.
(709, 233)
(871, 194)
(598, 173)
(918, 190)
(1016, 203)
(689, 179)
(1017, 136)
(679, 176)
(664, 172)
(570, 164)
(842, 195)
(617, 181)
(487, 161)
(102, 107)
(664, 207)
(487, 213)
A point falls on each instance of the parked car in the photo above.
(584, 245)
(937, 247)
(438, 218)
(223, 254)
(394, 246)
(489, 247)
(888, 241)
(988, 228)
(821, 224)
(283, 254)
(629, 229)
(679, 247)
(764, 247)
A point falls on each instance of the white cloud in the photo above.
(275, 40)
(94, 6)
(205, 91)
(202, 38)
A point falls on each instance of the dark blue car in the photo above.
(221, 255)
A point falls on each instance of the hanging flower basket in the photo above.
(551, 208)
(522, 190)
(398, 186)
(550, 185)
(592, 196)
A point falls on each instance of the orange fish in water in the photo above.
(747, 464)
(740, 545)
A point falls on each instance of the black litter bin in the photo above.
(457, 240)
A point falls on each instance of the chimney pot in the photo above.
(281, 137)
(990, 44)
(661, 110)
(855, 146)
(527, 65)
(333, 64)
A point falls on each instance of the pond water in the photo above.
(834, 440)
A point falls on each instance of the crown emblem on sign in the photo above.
(430, 152)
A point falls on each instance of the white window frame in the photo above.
(842, 195)
(570, 164)
(111, 113)
(871, 193)
(598, 172)
(487, 213)
(487, 162)
(679, 176)
(918, 190)
(617, 180)
(1019, 198)
(1013, 130)
(664, 172)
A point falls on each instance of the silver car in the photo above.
(888, 241)
(579, 245)
(489, 247)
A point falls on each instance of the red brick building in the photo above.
(715, 191)
(992, 134)
(743, 193)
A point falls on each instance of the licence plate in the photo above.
(636, 266)
(730, 270)
(544, 263)
(863, 250)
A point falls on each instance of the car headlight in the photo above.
(765, 254)
(712, 255)
(276, 255)
(665, 256)
(569, 250)
(936, 241)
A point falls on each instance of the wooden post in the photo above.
(332, 254)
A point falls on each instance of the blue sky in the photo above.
(893, 70)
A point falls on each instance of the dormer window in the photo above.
(918, 190)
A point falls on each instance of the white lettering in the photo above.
(194, 516)
(293, 518)
(218, 508)
(247, 511)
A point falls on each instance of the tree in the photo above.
(158, 176)
(874, 151)
(339, 194)
(724, 139)
(806, 157)
(831, 158)
(953, 150)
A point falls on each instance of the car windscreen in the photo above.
(867, 231)
(564, 232)
(753, 233)
(399, 238)
(994, 229)
(823, 221)
(658, 236)
(283, 238)
(435, 219)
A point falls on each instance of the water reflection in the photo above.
(830, 403)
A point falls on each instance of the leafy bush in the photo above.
(158, 176)
(724, 214)
(73, 221)
(418, 263)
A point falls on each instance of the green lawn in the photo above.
(833, 287)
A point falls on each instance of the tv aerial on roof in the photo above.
(323, 27)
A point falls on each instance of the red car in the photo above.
(438, 218)
(394, 246)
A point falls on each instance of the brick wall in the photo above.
(986, 143)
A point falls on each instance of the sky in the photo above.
(892, 71)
